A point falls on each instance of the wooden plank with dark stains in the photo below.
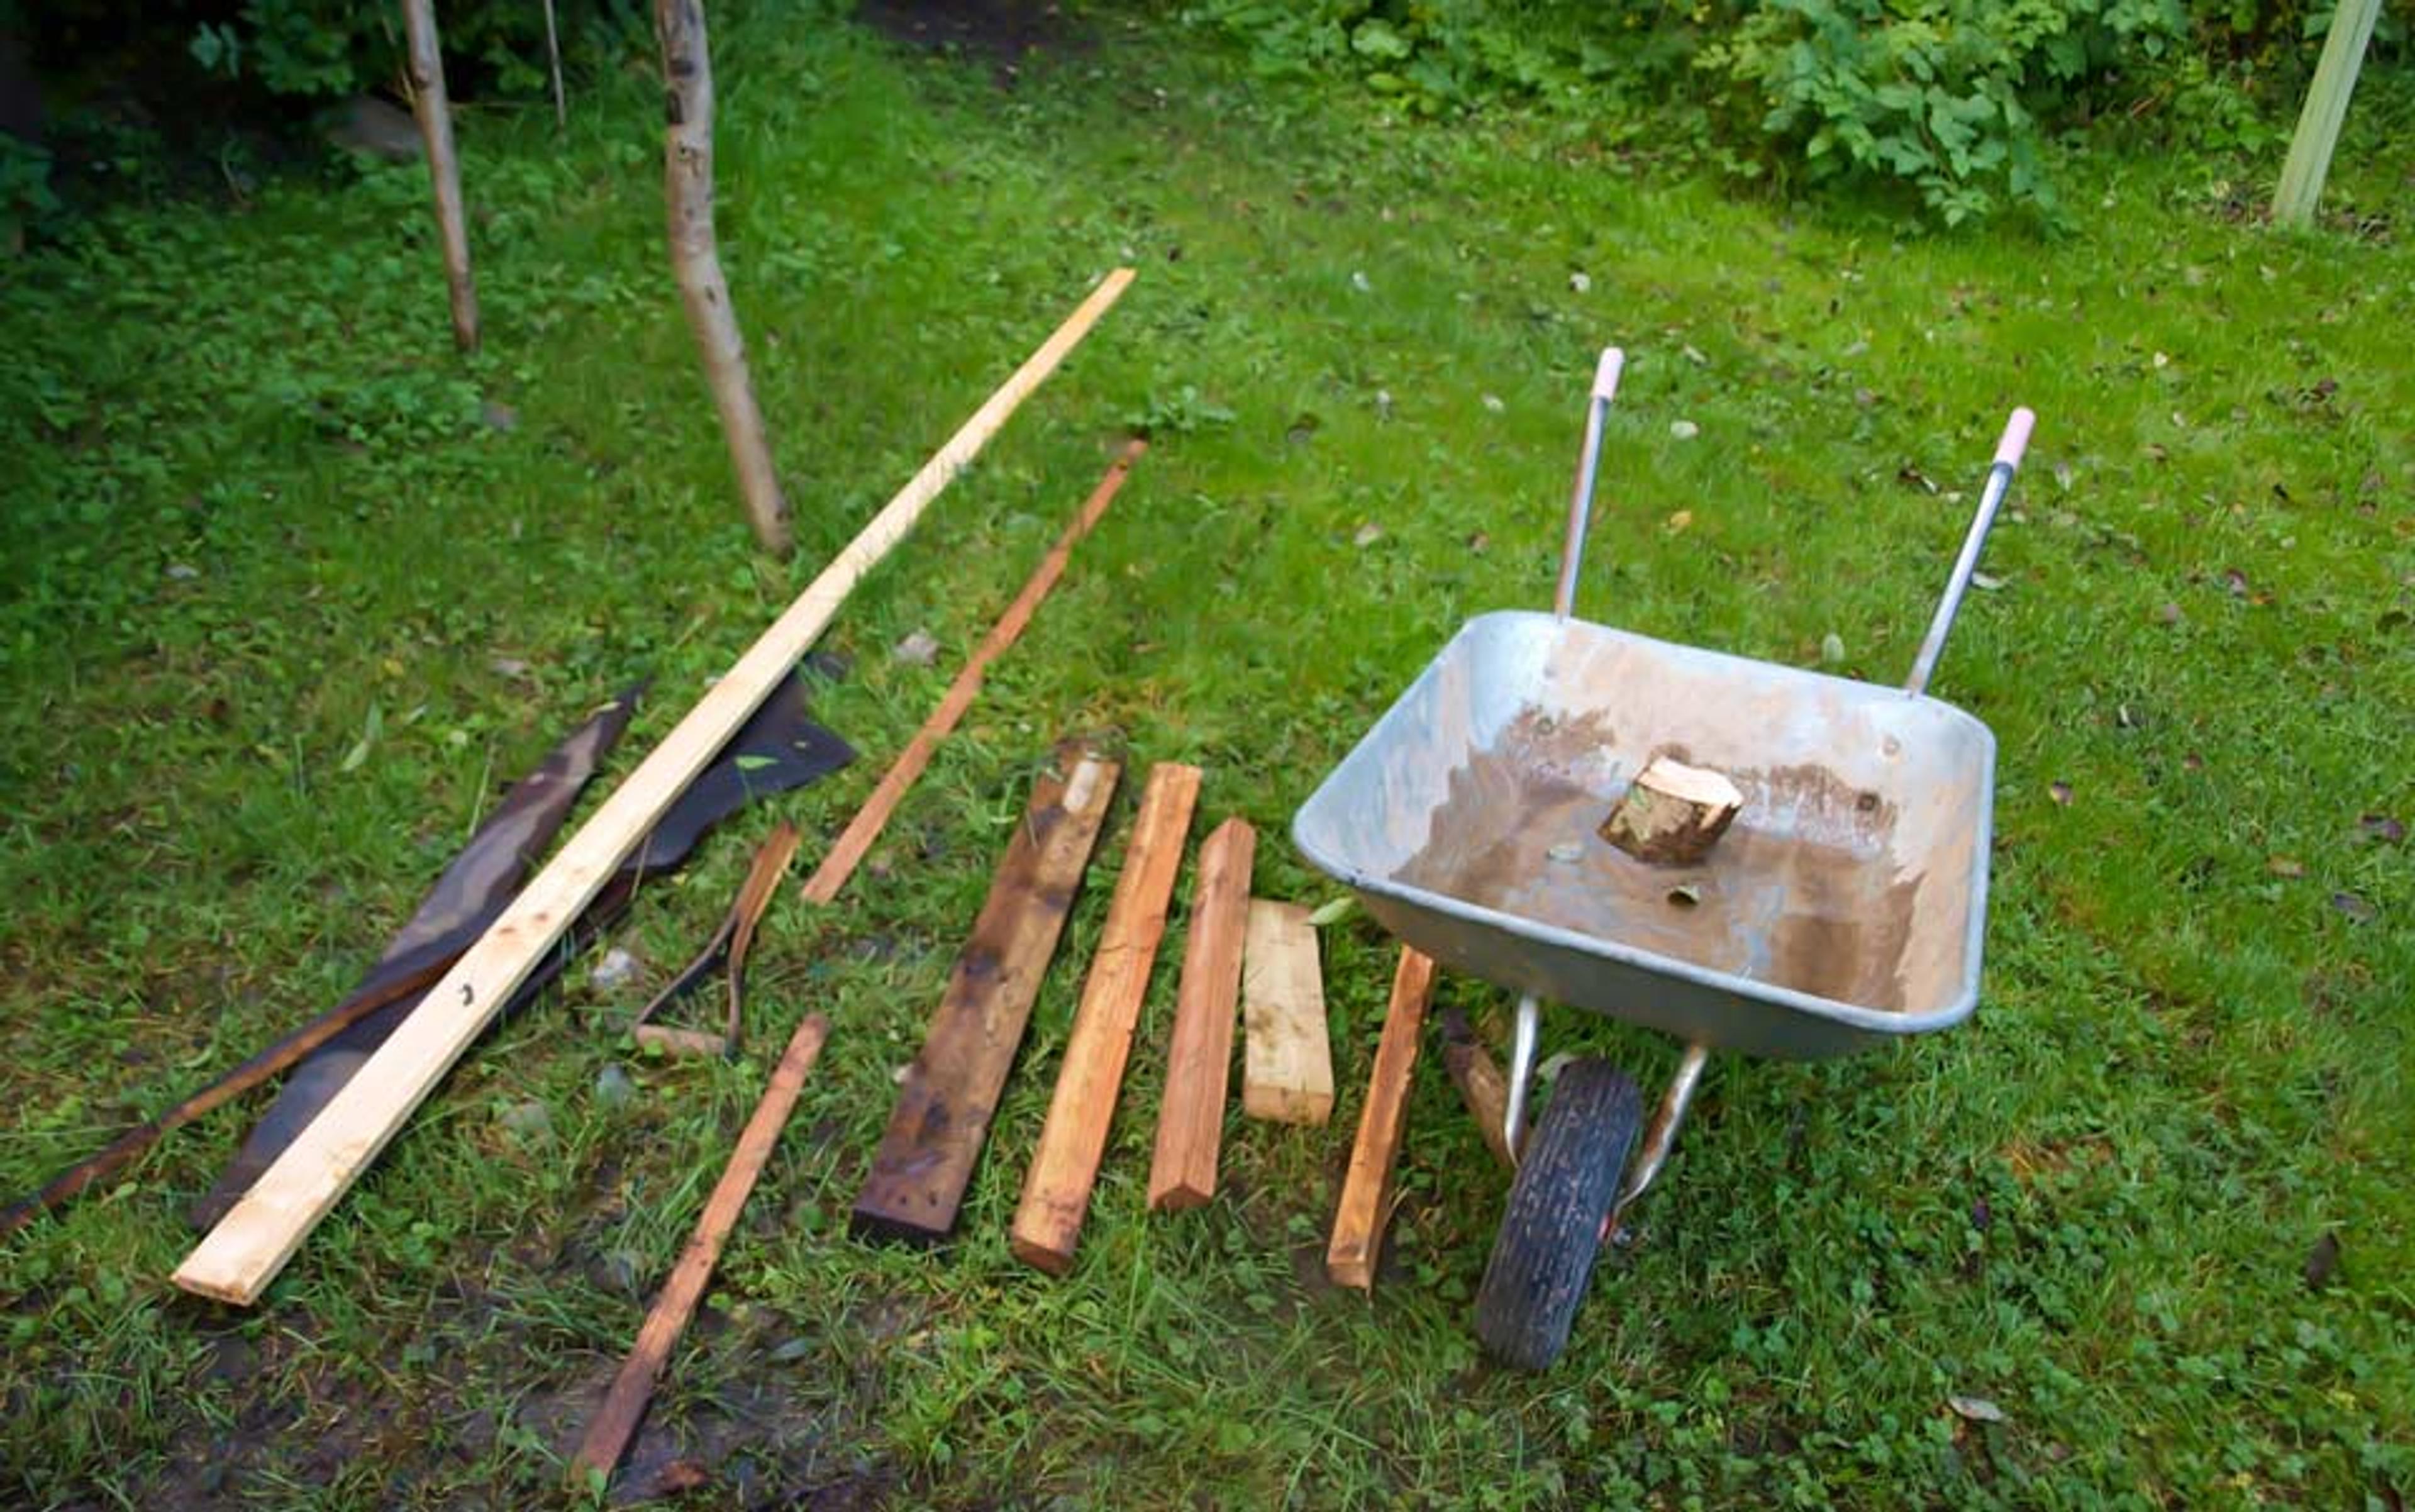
(925, 1160)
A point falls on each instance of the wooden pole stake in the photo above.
(236, 1261)
(1199, 1060)
(2326, 110)
(1287, 1055)
(695, 260)
(1367, 1190)
(616, 1421)
(857, 840)
(435, 114)
(1057, 1193)
(926, 1158)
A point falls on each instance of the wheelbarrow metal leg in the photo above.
(1661, 1136)
(1523, 1038)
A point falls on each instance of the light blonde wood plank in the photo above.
(1286, 1058)
(236, 1260)
(1057, 1193)
(1199, 1059)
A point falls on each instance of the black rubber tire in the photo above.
(1542, 1260)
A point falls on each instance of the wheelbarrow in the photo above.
(1843, 908)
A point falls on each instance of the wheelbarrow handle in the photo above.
(1991, 497)
(1605, 388)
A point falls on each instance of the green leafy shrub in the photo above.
(322, 48)
(1952, 102)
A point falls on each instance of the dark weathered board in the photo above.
(919, 1171)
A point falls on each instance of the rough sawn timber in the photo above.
(1286, 1058)
(1057, 1193)
(236, 1260)
(1367, 1188)
(1199, 1059)
(926, 1158)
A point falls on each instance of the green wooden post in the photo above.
(2319, 126)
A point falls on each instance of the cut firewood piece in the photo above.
(925, 1160)
(608, 1434)
(1672, 813)
(1057, 1193)
(1479, 1081)
(1367, 1188)
(1286, 1060)
(253, 1241)
(1199, 1059)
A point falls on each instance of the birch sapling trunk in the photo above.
(428, 102)
(687, 172)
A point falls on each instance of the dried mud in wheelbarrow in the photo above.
(1824, 910)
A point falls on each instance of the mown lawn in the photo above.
(292, 591)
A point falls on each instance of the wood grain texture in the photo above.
(236, 1260)
(1286, 1058)
(1199, 1059)
(1057, 1192)
(925, 1160)
(1367, 1190)
(624, 1404)
(856, 840)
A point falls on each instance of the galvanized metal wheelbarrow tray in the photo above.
(1845, 906)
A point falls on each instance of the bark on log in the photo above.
(428, 103)
(696, 261)
(1673, 814)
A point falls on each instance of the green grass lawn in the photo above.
(292, 591)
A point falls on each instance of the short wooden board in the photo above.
(1367, 1190)
(1286, 1060)
(1199, 1059)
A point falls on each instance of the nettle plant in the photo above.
(1944, 94)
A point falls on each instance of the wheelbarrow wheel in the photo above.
(1559, 1205)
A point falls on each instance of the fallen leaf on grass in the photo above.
(1976, 1409)
(1684, 429)
(1367, 534)
(367, 743)
(2359, 911)
(2381, 829)
(1832, 647)
(1332, 913)
(2168, 614)
(2323, 1262)
(1985, 583)
(919, 648)
(2284, 866)
(2060, 793)
(1477, 541)
(1677, 522)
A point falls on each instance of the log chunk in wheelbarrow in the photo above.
(1672, 813)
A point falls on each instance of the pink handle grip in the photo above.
(2017, 438)
(1605, 377)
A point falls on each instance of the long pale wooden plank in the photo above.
(236, 1260)
(1367, 1190)
(926, 1158)
(610, 1430)
(1286, 1056)
(1199, 1057)
(856, 840)
(1057, 1193)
